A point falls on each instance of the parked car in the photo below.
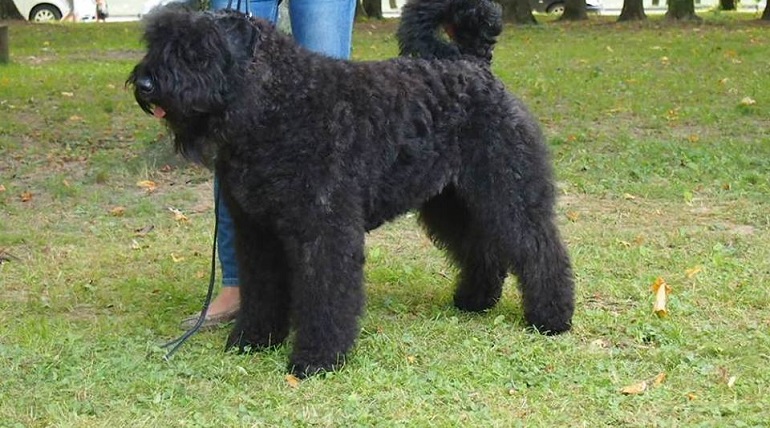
(556, 7)
(84, 10)
(43, 10)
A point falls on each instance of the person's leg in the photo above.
(225, 306)
(324, 26)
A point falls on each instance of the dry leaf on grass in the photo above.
(118, 211)
(293, 381)
(748, 101)
(640, 387)
(689, 273)
(178, 215)
(144, 230)
(2, 188)
(5, 256)
(147, 185)
(635, 389)
(26, 196)
(661, 290)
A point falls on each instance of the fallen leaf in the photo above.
(661, 290)
(293, 381)
(75, 118)
(26, 196)
(573, 216)
(692, 271)
(147, 185)
(659, 379)
(723, 80)
(5, 256)
(118, 211)
(2, 188)
(641, 387)
(145, 230)
(748, 101)
(176, 259)
(691, 396)
(731, 381)
(693, 138)
(178, 215)
(68, 94)
(635, 389)
(628, 197)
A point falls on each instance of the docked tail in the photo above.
(472, 27)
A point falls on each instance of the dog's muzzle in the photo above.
(144, 88)
(144, 85)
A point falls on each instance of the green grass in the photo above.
(663, 172)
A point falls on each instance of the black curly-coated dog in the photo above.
(313, 152)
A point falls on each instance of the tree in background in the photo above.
(8, 10)
(766, 13)
(369, 8)
(517, 11)
(574, 10)
(682, 10)
(633, 10)
(728, 5)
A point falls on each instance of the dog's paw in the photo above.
(475, 302)
(303, 368)
(549, 326)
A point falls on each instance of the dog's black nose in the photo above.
(144, 84)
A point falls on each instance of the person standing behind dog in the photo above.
(101, 11)
(324, 26)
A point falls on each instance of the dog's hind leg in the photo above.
(263, 318)
(453, 227)
(515, 195)
(327, 291)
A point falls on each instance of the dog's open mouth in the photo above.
(158, 112)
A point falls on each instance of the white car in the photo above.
(84, 10)
(43, 10)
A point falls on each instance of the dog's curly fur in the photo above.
(313, 152)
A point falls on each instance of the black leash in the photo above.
(179, 341)
(238, 6)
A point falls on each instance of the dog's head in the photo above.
(193, 62)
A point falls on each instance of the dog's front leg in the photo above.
(263, 318)
(327, 294)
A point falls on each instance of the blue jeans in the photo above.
(324, 26)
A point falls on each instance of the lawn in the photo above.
(659, 135)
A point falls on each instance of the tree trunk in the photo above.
(575, 10)
(517, 11)
(682, 10)
(727, 5)
(8, 10)
(633, 10)
(372, 8)
(766, 13)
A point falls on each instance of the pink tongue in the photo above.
(159, 112)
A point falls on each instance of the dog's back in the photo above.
(472, 27)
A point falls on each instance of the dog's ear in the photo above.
(240, 32)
